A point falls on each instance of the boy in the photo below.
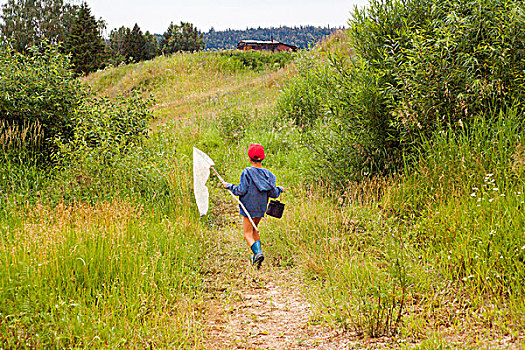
(256, 186)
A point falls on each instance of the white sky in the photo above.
(156, 15)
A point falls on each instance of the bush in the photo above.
(258, 60)
(415, 66)
(39, 94)
(107, 126)
(303, 98)
(39, 89)
(51, 125)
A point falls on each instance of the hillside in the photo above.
(337, 251)
(103, 246)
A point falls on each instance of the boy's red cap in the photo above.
(256, 152)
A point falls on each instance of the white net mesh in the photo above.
(201, 173)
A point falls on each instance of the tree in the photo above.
(130, 45)
(27, 23)
(152, 48)
(183, 37)
(136, 45)
(85, 43)
(118, 51)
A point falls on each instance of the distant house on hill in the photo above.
(273, 46)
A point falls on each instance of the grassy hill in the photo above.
(110, 252)
(365, 254)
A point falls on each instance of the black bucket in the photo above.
(275, 209)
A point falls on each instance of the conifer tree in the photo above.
(152, 45)
(183, 37)
(85, 42)
(136, 44)
(118, 50)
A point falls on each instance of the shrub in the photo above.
(303, 98)
(39, 89)
(50, 121)
(40, 93)
(415, 66)
(258, 60)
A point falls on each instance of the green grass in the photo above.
(93, 276)
(108, 250)
(107, 254)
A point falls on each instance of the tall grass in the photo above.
(107, 251)
(442, 246)
(473, 223)
(101, 256)
(91, 276)
(105, 248)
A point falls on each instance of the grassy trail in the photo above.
(326, 262)
(259, 309)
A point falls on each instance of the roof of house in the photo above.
(264, 42)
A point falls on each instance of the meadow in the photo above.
(107, 249)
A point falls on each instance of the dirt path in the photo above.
(260, 309)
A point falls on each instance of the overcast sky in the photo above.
(156, 15)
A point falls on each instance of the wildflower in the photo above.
(492, 233)
(502, 195)
(473, 194)
(490, 200)
(479, 199)
(495, 189)
(475, 188)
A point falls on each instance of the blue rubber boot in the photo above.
(258, 256)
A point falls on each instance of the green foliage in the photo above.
(118, 46)
(466, 198)
(152, 46)
(304, 96)
(106, 127)
(31, 23)
(414, 66)
(130, 45)
(137, 44)
(84, 42)
(456, 161)
(444, 61)
(40, 89)
(183, 37)
(258, 60)
(99, 229)
(61, 289)
(303, 37)
(233, 125)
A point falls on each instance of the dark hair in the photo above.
(256, 160)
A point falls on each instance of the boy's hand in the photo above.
(224, 184)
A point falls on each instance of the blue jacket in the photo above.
(256, 186)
